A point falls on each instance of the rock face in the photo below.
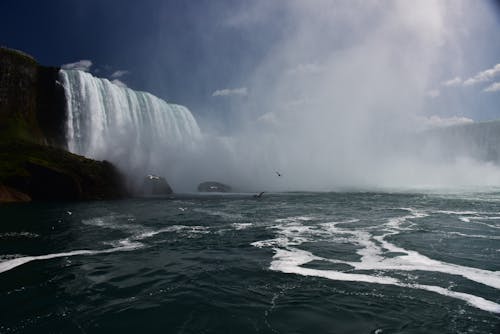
(48, 173)
(51, 106)
(18, 75)
(34, 164)
(212, 186)
(31, 101)
(9, 195)
(155, 185)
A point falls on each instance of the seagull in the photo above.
(259, 195)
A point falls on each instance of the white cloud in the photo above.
(82, 65)
(433, 93)
(268, 118)
(309, 68)
(231, 92)
(435, 121)
(494, 87)
(483, 76)
(119, 83)
(119, 74)
(456, 81)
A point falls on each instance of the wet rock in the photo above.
(10, 195)
(212, 186)
(155, 185)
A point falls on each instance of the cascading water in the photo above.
(137, 131)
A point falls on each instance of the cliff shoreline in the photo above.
(34, 161)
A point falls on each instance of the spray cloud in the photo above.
(339, 99)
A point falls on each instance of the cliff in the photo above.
(34, 164)
(31, 100)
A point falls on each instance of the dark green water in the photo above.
(287, 263)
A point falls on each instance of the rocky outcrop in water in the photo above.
(212, 186)
(33, 162)
(155, 185)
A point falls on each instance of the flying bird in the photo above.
(258, 195)
(277, 173)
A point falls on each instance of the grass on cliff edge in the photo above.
(97, 179)
(15, 153)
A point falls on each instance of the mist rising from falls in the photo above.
(338, 101)
(137, 131)
(143, 134)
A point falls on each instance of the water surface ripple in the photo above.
(295, 262)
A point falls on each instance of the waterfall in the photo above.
(137, 131)
(479, 141)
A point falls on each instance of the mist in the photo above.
(338, 102)
(329, 95)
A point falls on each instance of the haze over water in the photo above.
(340, 100)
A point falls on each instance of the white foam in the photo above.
(294, 219)
(282, 242)
(372, 248)
(478, 302)
(449, 212)
(480, 236)
(290, 261)
(242, 226)
(479, 220)
(126, 244)
(18, 235)
(222, 214)
(13, 263)
(114, 222)
(195, 229)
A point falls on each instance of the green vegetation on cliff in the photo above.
(45, 173)
(33, 163)
(18, 98)
(31, 101)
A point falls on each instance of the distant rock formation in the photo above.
(212, 186)
(155, 185)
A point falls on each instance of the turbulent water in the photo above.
(139, 132)
(285, 263)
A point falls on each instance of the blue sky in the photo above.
(231, 62)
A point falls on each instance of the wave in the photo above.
(372, 247)
(13, 263)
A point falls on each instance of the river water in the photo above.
(350, 262)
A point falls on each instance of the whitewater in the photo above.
(139, 132)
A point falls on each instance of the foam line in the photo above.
(478, 302)
(372, 250)
(11, 264)
(413, 261)
(290, 260)
(127, 244)
(480, 236)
